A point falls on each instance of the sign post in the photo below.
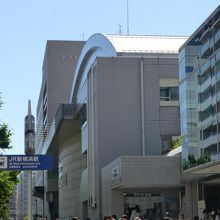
(29, 194)
(26, 162)
(29, 163)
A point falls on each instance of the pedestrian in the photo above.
(107, 217)
(167, 216)
(212, 215)
(114, 217)
(205, 214)
(124, 217)
(181, 216)
(217, 217)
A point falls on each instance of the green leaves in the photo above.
(175, 143)
(191, 161)
(8, 180)
(5, 135)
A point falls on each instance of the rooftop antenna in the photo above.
(119, 31)
(127, 18)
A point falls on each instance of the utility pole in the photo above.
(29, 150)
(127, 17)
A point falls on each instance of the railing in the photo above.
(206, 121)
(217, 56)
(206, 103)
(163, 98)
(205, 66)
(212, 139)
(206, 84)
(217, 36)
(206, 48)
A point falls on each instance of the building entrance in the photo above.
(212, 197)
(148, 205)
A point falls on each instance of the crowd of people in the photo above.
(123, 217)
(211, 215)
(207, 215)
(141, 217)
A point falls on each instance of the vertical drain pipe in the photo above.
(93, 191)
(142, 108)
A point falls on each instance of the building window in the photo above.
(169, 93)
(189, 69)
(165, 142)
(203, 115)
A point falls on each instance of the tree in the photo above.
(8, 179)
(175, 143)
(5, 134)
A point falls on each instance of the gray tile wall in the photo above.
(58, 69)
(118, 106)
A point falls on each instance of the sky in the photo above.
(26, 25)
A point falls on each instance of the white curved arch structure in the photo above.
(96, 46)
(99, 45)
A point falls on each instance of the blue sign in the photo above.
(26, 162)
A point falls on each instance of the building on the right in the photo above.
(199, 88)
(22, 200)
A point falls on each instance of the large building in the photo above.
(57, 74)
(116, 120)
(199, 74)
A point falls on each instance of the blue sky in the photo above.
(26, 25)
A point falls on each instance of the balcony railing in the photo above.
(212, 139)
(206, 103)
(206, 121)
(217, 56)
(206, 84)
(206, 49)
(205, 67)
(217, 36)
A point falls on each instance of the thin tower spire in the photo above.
(29, 107)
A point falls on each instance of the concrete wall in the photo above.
(73, 163)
